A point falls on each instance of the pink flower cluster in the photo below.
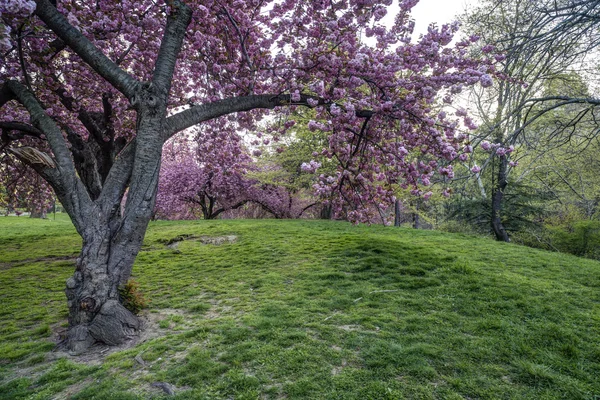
(311, 166)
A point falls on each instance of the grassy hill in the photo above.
(309, 309)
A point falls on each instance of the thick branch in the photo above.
(118, 178)
(81, 45)
(45, 170)
(25, 129)
(233, 207)
(86, 163)
(63, 179)
(177, 23)
(205, 112)
(44, 123)
(6, 95)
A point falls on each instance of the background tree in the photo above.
(519, 30)
(203, 178)
(288, 169)
(97, 88)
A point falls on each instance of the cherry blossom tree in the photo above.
(204, 179)
(91, 91)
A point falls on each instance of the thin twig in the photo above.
(384, 291)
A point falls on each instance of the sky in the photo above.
(440, 11)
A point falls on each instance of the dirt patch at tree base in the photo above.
(96, 354)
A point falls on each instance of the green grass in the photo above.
(312, 310)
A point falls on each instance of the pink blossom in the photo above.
(486, 80)
(488, 48)
(312, 102)
(311, 166)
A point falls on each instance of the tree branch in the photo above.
(84, 48)
(63, 179)
(6, 95)
(45, 124)
(118, 178)
(204, 112)
(26, 129)
(177, 23)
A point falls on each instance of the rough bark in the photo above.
(497, 197)
(95, 313)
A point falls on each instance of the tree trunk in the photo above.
(37, 214)
(416, 221)
(497, 197)
(416, 216)
(397, 211)
(325, 211)
(95, 311)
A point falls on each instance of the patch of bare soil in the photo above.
(96, 354)
(73, 389)
(13, 264)
(212, 240)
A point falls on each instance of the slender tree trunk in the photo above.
(397, 211)
(416, 216)
(497, 198)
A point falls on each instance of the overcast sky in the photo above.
(440, 11)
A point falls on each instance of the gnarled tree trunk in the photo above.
(95, 310)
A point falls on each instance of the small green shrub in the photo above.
(582, 238)
(132, 298)
(454, 226)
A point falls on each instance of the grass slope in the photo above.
(312, 310)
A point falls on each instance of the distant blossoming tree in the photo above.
(205, 179)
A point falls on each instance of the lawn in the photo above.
(271, 309)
